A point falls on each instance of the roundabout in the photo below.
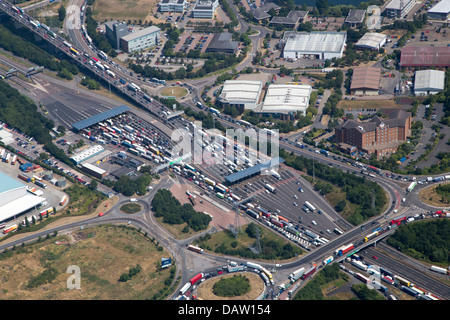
(174, 91)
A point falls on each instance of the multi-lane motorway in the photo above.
(395, 189)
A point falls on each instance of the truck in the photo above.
(185, 288)
(309, 272)
(440, 270)
(253, 265)
(24, 177)
(411, 186)
(294, 276)
(11, 228)
(398, 220)
(128, 128)
(327, 260)
(310, 206)
(270, 188)
(359, 264)
(345, 249)
(195, 248)
(196, 278)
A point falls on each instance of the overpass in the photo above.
(82, 58)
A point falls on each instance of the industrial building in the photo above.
(398, 9)
(14, 198)
(140, 40)
(378, 136)
(428, 82)
(372, 41)
(285, 100)
(314, 45)
(223, 43)
(365, 81)
(440, 11)
(87, 154)
(94, 171)
(173, 5)
(115, 30)
(253, 170)
(355, 18)
(205, 9)
(243, 94)
(425, 57)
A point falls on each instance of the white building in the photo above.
(440, 11)
(173, 5)
(87, 154)
(428, 82)
(372, 41)
(285, 100)
(314, 45)
(205, 9)
(399, 8)
(141, 39)
(244, 94)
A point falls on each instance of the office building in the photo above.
(205, 9)
(173, 5)
(115, 30)
(140, 40)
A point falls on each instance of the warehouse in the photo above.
(243, 94)
(94, 171)
(285, 100)
(14, 198)
(87, 154)
(425, 57)
(365, 81)
(428, 82)
(440, 11)
(314, 45)
(355, 18)
(372, 41)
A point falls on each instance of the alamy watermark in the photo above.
(74, 280)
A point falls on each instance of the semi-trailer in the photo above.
(359, 265)
(196, 278)
(195, 248)
(24, 177)
(294, 276)
(309, 272)
(270, 188)
(439, 270)
(345, 249)
(185, 288)
(253, 265)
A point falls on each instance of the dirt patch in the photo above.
(429, 196)
(363, 104)
(204, 291)
(124, 10)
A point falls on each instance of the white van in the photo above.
(314, 223)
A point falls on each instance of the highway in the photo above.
(395, 190)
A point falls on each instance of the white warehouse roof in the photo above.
(286, 98)
(19, 205)
(429, 79)
(241, 91)
(441, 7)
(93, 168)
(314, 42)
(371, 40)
(87, 153)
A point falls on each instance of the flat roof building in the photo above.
(140, 40)
(94, 171)
(173, 5)
(87, 154)
(314, 45)
(428, 82)
(425, 57)
(372, 41)
(440, 11)
(365, 81)
(14, 198)
(205, 9)
(285, 100)
(398, 9)
(115, 30)
(223, 43)
(244, 94)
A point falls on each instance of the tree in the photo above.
(61, 13)
(322, 6)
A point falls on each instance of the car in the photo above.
(295, 204)
(100, 214)
(375, 257)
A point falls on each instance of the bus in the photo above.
(111, 74)
(215, 111)
(336, 230)
(102, 55)
(75, 52)
(310, 206)
(244, 123)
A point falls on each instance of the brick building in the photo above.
(379, 136)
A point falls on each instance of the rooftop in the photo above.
(441, 7)
(292, 18)
(425, 56)
(355, 16)
(100, 117)
(8, 183)
(429, 79)
(141, 33)
(285, 98)
(371, 40)
(242, 90)
(315, 41)
(366, 78)
(256, 169)
(19, 205)
(223, 41)
(396, 118)
(261, 12)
